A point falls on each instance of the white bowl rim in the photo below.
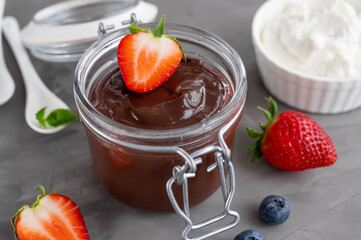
(256, 36)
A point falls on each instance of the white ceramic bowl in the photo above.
(297, 89)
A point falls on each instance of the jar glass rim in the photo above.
(81, 11)
(85, 107)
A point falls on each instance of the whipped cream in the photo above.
(316, 39)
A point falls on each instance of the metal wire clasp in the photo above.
(222, 156)
(102, 29)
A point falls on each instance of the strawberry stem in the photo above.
(41, 189)
(270, 115)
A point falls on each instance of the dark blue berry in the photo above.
(274, 210)
(249, 235)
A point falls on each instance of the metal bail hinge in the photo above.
(222, 157)
(133, 18)
(180, 177)
(102, 29)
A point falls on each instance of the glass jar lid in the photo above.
(63, 31)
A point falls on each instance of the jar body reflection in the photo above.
(138, 178)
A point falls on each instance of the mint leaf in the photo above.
(56, 118)
(40, 116)
(60, 117)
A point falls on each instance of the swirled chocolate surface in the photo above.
(192, 94)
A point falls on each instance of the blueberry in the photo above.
(274, 210)
(249, 235)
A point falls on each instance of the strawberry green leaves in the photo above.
(270, 115)
(156, 32)
(134, 29)
(56, 118)
(159, 29)
(253, 133)
(292, 141)
(256, 148)
(271, 112)
(43, 191)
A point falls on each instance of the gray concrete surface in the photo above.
(325, 203)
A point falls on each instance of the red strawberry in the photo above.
(147, 59)
(292, 141)
(52, 216)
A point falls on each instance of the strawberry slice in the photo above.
(52, 216)
(147, 59)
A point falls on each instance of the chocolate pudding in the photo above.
(191, 95)
(138, 178)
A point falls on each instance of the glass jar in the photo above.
(134, 164)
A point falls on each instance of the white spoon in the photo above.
(37, 94)
(7, 85)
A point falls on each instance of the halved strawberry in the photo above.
(147, 59)
(52, 216)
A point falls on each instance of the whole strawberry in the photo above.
(292, 141)
(52, 216)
